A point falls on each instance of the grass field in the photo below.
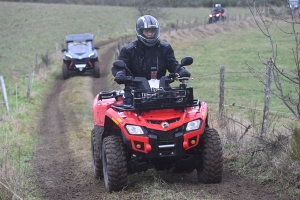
(236, 50)
(29, 28)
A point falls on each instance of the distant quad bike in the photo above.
(80, 55)
(216, 16)
(165, 129)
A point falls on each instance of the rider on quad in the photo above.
(146, 57)
(218, 8)
(165, 128)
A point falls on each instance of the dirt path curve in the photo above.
(61, 175)
(58, 171)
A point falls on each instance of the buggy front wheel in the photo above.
(96, 69)
(65, 71)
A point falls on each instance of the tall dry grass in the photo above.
(272, 159)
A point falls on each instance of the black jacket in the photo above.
(139, 59)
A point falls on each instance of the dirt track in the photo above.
(62, 175)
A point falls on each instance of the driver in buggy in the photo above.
(145, 54)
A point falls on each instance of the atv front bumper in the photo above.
(164, 144)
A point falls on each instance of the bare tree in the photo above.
(280, 76)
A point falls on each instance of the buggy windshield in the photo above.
(293, 3)
(80, 47)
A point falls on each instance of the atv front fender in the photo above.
(100, 108)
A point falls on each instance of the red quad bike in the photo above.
(216, 16)
(165, 129)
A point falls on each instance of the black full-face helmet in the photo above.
(147, 22)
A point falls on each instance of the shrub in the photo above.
(295, 144)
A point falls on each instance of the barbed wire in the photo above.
(232, 72)
(277, 113)
(217, 87)
(244, 89)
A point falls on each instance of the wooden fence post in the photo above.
(222, 95)
(125, 28)
(117, 52)
(30, 81)
(177, 22)
(266, 113)
(56, 50)
(16, 81)
(47, 58)
(62, 43)
(37, 64)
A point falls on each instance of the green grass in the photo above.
(30, 28)
(235, 50)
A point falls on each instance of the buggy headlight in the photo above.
(69, 56)
(91, 54)
(134, 130)
(193, 125)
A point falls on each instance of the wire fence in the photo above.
(229, 102)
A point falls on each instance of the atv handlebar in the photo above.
(120, 65)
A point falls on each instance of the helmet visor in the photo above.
(150, 35)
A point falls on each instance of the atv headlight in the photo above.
(91, 54)
(134, 130)
(193, 125)
(218, 15)
(69, 56)
(210, 15)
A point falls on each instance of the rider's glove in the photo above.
(172, 75)
(120, 77)
(183, 72)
